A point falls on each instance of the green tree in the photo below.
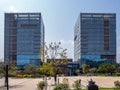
(52, 52)
(1, 70)
(85, 68)
(107, 68)
(13, 70)
(31, 68)
(92, 70)
(78, 71)
(45, 69)
(118, 68)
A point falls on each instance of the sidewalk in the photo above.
(2, 81)
(31, 84)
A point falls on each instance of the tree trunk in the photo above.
(55, 78)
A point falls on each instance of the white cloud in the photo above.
(11, 9)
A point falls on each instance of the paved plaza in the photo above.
(2, 81)
(31, 83)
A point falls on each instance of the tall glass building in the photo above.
(23, 38)
(95, 38)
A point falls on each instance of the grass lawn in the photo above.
(105, 89)
(109, 89)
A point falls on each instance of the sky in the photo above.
(59, 18)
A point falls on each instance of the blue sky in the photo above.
(59, 17)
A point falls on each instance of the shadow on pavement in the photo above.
(16, 86)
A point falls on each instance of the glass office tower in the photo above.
(95, 38)
(23, 38)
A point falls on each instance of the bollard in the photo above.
(92, 85)
(58, 80)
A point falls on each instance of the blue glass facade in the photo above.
(95, 37)
(28, 38)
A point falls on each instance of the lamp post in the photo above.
(6, 77)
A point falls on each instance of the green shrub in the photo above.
(36, 75)
(65, 81)
(11, 74)
(1, 75)
(77, 85)
(61, 86)
(19, 76)
(117, 74)
(117, 84)
(27, 76)
(41, 85)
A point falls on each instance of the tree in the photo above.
(55, 56)
(2, 71)
(92, 70)
(118, 68)
(45, 69)
(54, 51)
(85, 69)
(13, 70)
(31, 68)
(107, 68)
(78, 71)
